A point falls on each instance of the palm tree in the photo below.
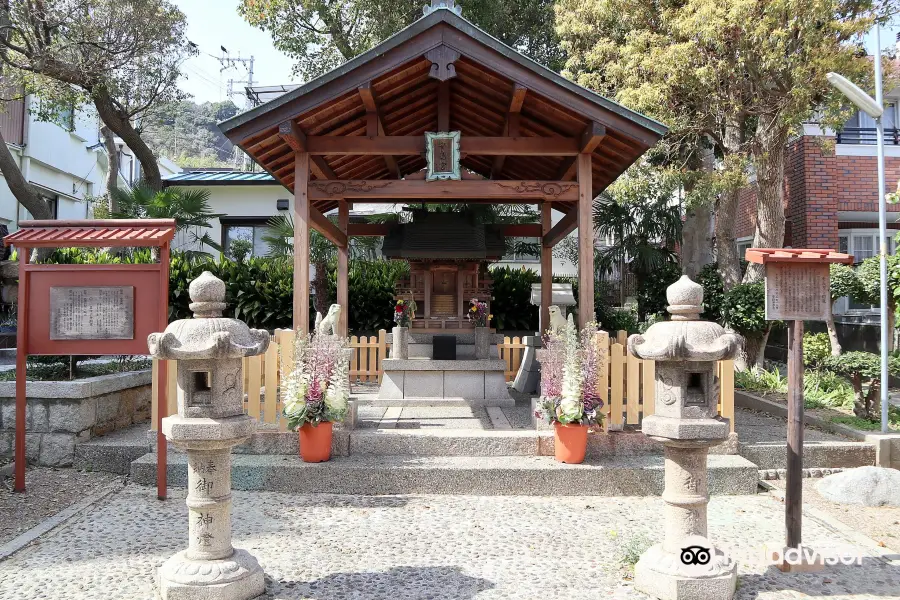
(644, 231)
(189, 207)
(322, 253)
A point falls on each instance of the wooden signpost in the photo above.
(798, 289)
(90, 309)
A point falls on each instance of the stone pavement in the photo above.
(424, 547)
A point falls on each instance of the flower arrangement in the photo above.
(404, 312)
(478, 312)
(318, 388)
(570, 371)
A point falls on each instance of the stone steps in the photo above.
(114, 452)
(487, 476)
(816, 455)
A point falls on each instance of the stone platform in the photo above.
(476, 382)
(465, 475)
(421, 343)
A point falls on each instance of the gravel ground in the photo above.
(423, 547)
(881, 524)
(48, 491)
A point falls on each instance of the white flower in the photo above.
(569, 410)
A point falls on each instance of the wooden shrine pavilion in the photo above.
(442, 112)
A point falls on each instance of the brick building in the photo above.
(831, 191)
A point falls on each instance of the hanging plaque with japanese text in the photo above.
(797, 291)
(92, 313)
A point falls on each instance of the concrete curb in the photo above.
(60, 518)
(744, 399)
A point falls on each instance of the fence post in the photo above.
(271, 402)
(382, 352)
(603, 375)
(633, 387)
(616, 376)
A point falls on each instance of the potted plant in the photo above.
(403, 315)
(478, 312)
(569, 377)
(317, 392)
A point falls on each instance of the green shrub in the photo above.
(816, 348)
(863, 369)
(511, 303)
(621, 319)
(651, 290)
(760, 380)
(371, 290)
(743, 309)
(713, 292)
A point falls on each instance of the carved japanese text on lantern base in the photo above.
(210, 422)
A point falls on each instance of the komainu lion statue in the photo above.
(557, 320)
(329, 324)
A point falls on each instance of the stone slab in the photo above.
(462, 338)
(495, 386)
(424, 364)
(462, 383)
(423, 384)
(392, 385)
(816, 455)
(487, 476)
(438, 402)
(80, 388)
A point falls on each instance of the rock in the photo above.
(869, 486)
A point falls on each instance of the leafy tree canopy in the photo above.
(186, 132)
(322, 34)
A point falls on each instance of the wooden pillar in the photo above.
(429, 285)
(301, 243)
(546, 267)
(162, 375)
(343, 270)
(793, 491)
(460, 291)
(444, 106)
(21, 368)
(585, 241)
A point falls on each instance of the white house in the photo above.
(66, 162)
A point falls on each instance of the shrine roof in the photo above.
(764, 256)
(92, 233)
(441, 64)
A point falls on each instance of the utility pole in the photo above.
(227, 62)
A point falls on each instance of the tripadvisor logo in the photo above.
(804, 555)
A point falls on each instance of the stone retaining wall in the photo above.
(60, 414)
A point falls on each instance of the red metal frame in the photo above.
(151, 286)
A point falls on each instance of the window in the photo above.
(523, 249)
(252, 229)
(862, 244)
(860, 128)
(743, 244)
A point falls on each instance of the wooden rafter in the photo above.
(410, 145)
(294, 137)
(511, 127)
(329, 230)
(591, 138)
(375, 126)
(443, 105)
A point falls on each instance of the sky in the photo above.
(216, 23)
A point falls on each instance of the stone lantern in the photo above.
(209, 423)
(686, 565)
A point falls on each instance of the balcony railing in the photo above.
(867, 136)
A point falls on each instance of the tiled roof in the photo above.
(796, 255)
(92, 233)
(220, 178)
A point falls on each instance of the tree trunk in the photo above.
(832, 334)
(122, 127)
(20, 188)
(112, 172)
(726, 212)
(768, 157)
(696, 247)
(753, 352)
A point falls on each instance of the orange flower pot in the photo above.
(570, 443)
(315, 442)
